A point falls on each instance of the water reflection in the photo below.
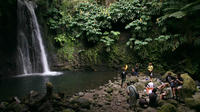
(69, 82)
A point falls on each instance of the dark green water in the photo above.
(69, 83)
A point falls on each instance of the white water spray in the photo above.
(32, 58)
(39, 37)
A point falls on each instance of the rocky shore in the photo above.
(107, 98)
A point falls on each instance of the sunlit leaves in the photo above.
(110, 37)
(162, 38)
(61, 39)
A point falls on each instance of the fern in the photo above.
(179, 12)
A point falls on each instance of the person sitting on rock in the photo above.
(153, 98)
(178, 85)
(163, 95)
(167, 82)
(150, 87)
(166, 87)
(143, 102)
(123, 75)
(133, 95)
(133, 72)
(163, 92)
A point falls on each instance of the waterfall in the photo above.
(32, 57)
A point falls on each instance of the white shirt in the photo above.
(150, 85)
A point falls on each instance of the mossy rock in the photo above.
(81, 102)
(109, 98)
(165, 75)
(140, 86)
(161, 102)
(109, 90)
(68, 110)
(49, 89)
(173, 102)
(16, 107)
(119, 55)
(46, 106)
(189, 86)
(67, 67)
(150, 109)
(167, 108)
(193, 103)
(132, 79)
(49, 85)
(183, 108)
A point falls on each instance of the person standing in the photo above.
(136, 69)
(133, 95)
(171, 81)
(126, 67)
(123, 75)
(150, 70)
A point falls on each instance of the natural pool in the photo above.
(68, 82)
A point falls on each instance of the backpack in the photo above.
(136, 93)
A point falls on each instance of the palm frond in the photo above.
(191, 5)
(178, 14)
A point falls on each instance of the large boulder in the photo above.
(140, 86)
(132, 79)
(165, 75)
(16, 107)
(46, 106)
(150, 109)
(167, 108)
(49, 89)
(80, 103)
(183, 108)
(173, 102)
(189, 86)
(193, 102)
(68, 110)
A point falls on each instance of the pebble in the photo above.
(80, 94)
(101, 87)
(107, 103)
(92, 91)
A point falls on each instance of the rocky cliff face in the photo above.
(8, 24)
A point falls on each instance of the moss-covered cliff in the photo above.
(84, 34)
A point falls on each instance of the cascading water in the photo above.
(31, 52)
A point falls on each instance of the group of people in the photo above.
(134, 72)
(174, 83)
(134, 96)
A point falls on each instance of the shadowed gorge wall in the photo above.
(8, 24)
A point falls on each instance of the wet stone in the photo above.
(80, 94)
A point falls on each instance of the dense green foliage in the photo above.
(164, 32)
